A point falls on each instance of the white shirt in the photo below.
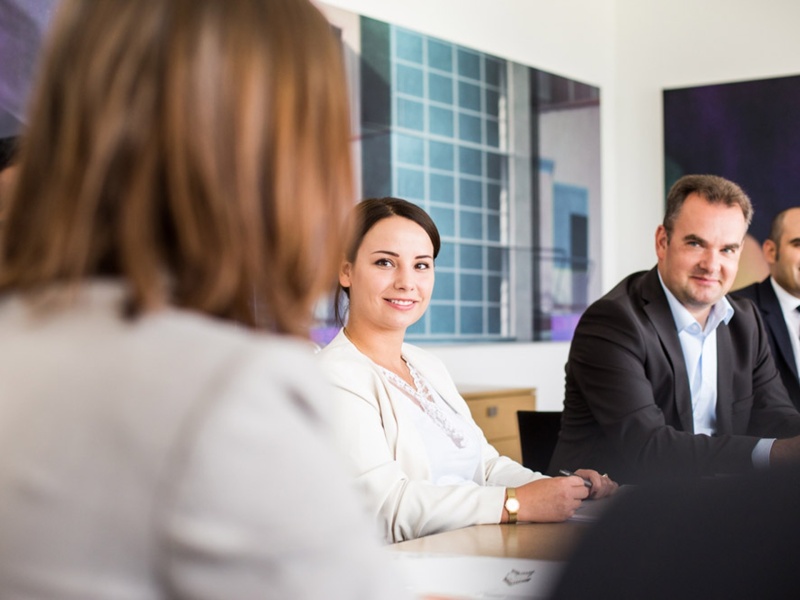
(699, 347)
(451, 441)
(452, 461)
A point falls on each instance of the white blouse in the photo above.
(452, 443)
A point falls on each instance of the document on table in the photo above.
(590, 510)
(477, 577)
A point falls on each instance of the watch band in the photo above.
(511, 504)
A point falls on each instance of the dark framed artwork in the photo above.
(748, 132)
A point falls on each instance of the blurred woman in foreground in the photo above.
(182, 185)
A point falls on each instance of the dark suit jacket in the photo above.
(778, 333)
(627, 405)
(726, 537)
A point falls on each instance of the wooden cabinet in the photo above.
(495, 412)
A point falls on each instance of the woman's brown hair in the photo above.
(198, 149)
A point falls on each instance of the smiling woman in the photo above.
(421, 462)
(391, 281)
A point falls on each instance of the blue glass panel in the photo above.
(440, 88)
(442, 188)
(493, 225)
(472, 287)
(493, 196)
(441, 121)
(409, 80)
(446, 258)
(494, 324)
(445, 286)
(469, 64)
(469, 96)
(492, 103)
(410, 114)
(569, 201)
(442, 318)
(440, 55)
(441, 156)
(408, 45)
(410, 149)
(471, 256)
(410, 184)
(494, 288)
(471, 319)
(470, 161)
(471, 225)
(470, 193)
(469, 128)
(494, 258)
(494, 165)
(445, 219)
(492, 133)
(493, 70)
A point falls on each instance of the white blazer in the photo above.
(391, 468)
(174, 456)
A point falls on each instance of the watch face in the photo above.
(512, 505)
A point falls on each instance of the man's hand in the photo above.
(602, 485)
(785, 452)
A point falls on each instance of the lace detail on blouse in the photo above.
(423, 395)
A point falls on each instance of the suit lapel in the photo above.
(657, 309)
(773, 319)
(724, 380)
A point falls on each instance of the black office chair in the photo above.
(538, 434)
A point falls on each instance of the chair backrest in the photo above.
(538, 434)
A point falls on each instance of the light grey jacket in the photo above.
(169, 457)
(388, 455)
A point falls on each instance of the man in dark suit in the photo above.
(666, 375)
(778, 297)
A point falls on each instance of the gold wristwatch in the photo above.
(512, 504)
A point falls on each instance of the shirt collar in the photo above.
(787, 301)
(720, 312)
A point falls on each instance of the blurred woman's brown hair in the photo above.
(202, 161)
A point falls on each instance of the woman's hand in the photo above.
(555, 499)
(602, 485)
(550, 500)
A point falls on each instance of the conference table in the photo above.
(477, 561)
(488, 561)
(540, 541)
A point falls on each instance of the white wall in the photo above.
(632, 50)
(679, 43)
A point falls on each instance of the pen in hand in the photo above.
(566, 473)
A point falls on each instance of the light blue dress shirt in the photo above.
(699, 347)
